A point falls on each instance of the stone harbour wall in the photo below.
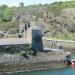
(15, 63)
(31, 66)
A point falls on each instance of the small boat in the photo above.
(73, 63)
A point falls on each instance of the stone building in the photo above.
(23, 27)
(25, 16)
(21, 4)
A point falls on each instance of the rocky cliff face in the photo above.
(62, 24)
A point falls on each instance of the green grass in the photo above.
(68, 36)
(7, 25)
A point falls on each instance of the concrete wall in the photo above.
(56, 44)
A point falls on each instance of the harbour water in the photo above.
(62, 71)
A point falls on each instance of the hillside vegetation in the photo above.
(62, 18)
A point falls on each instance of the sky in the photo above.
(27, 2)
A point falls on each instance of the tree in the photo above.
(4, 6)
(40, 4)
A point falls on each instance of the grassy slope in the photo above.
(8, 13)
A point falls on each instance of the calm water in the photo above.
(63, 71)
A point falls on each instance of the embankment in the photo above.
(16, 63)
(31, 66)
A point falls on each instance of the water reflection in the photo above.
(62, 71)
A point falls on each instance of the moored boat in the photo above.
(73, 63)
